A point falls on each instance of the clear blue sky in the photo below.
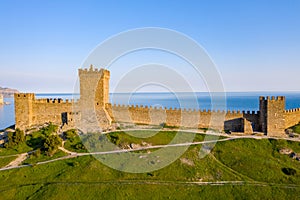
(255, 44)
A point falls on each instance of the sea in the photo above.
(248, 101)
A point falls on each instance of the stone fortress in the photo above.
(94, 112)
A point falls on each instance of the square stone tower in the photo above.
(94, 95)
(94, 87)
(24, 110)
(272, 121)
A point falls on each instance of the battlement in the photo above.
(24, 96)
(272, 98)
(204, 111)
(93, 70)
(292, 110)
(31, 96)
(272, 118)
(54, 100)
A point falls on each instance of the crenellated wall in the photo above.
(292, 117)
(93, 111)
(232, 120)
(30, 111)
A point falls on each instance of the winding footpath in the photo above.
(21, 157)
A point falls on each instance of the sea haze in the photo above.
(248, 101)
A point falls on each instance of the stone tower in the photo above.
(272, 121)
(1, 99)
(94, 95)
(23, 110)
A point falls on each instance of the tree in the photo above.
(15, 138)
(52, 143)
(48, 130)
(70, 134)
(19, 136)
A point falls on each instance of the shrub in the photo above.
(289, 171)
(51, 144)
(15, 138)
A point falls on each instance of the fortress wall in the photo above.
(120, 113)
(252, 120)
(157, 115)
(33, 111)
(154, 116)
(272, 119)
(291, 117)
(204, 119)
(190, 118)
(48, 110)
(245, 121)
(30, 111)
(173, 117)
(139, 115)
(233, 115)
(233, 120)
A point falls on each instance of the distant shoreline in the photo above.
(8, 92)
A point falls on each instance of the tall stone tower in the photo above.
(1, 99)
(272, 121)
(94, 95)
(23, 110)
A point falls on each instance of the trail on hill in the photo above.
(17, 161)
(21, 157)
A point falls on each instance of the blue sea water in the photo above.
(248, 101)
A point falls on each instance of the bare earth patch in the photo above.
(18, 160)
(187, 161)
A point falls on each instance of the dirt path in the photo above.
(17, 161)
(67, 151)
(230, 169)
(21, 157)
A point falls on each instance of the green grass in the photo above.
(254, 161)
(124, 139)
(156, 138)
(144, 191)
(6, 160)
(21, 148)
(259, 159)
(33, 160)
(71, 145)
(296, 128)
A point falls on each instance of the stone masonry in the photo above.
(94, 113)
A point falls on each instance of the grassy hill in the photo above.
(239, 169)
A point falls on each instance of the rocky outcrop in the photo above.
(7, 92)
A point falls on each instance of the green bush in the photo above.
(15, 138)
(51, 144)
(289, 171)
(48, 130)
(70, 135)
